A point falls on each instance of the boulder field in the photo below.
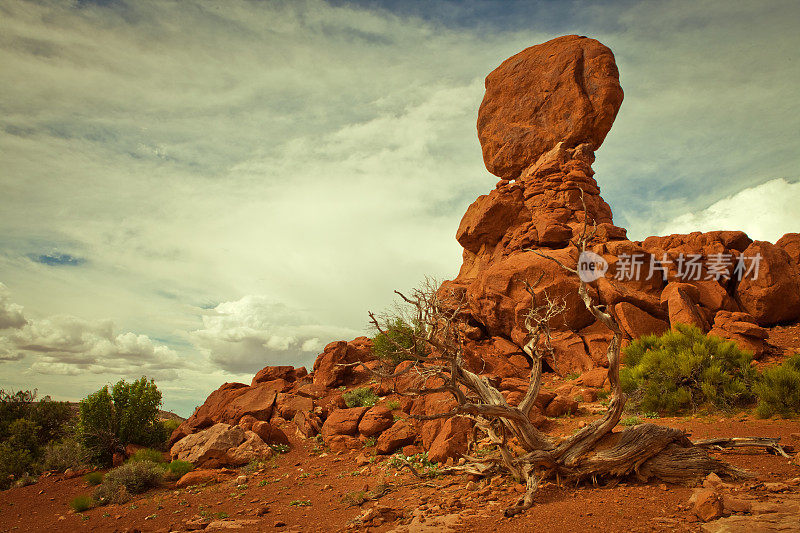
(545, 112)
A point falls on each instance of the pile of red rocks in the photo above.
(545, 112)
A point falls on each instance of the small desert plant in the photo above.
(360, 397)
(778, 389)
(369, 442)
(397, 334)
(93, 478)
(279, 448)
(131, 478)
(300, 503)
(25, 480)
(630, 421)
(393, 405)
(69, 452)
(177, 469)
(80, 504)
(419, 461)
(147, 454)
(685, 369)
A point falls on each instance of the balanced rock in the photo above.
(566, 89)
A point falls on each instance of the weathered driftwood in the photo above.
(594, 452)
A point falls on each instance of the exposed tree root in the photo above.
(595, 452)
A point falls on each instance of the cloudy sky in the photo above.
(192, 190)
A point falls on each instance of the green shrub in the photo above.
(177, 469)
(684, 369)
(93, 478)
(169, 426)
(69, 452)
(26, 428)
(147, 454)
(14, 406)
(127, 414)
(360, 397)
(80, 504)
(18, 451)
(397, 334)
(778, 389)
(52, 418)
(131, 478)
(393, 405)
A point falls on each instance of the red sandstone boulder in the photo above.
(219, 445)
(498, 299)
(596, 378)
(707, 505)
(376, 420)
(489, 217)
(774, 295)
(308, 424)
(637, 323)
(287, 373)
(328, 374)
(202, 477)
(560, 406)
(566, 89)
(228, 405)
(596, 337)
(791, 245)
(543, 399)
(742, 329)
(342, 443)
(429, 430)
(343, 422)
(269, 433)
(289, 404)
(400, 434)
(496, 356)
(569, 353)
(451, 441)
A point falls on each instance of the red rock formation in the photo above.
(566, 89)
(544, 113)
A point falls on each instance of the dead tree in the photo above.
(595, 452)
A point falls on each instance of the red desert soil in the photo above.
(318, 485)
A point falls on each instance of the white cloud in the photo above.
(253, 332)
(765, 212)
(67, 345)
(10, 313)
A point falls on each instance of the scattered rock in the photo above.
(707, 505)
